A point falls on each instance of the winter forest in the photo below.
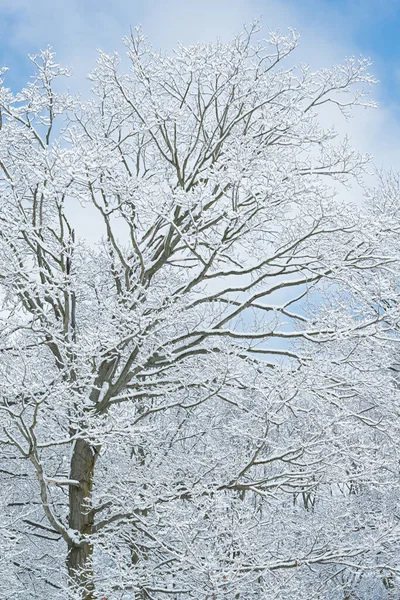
(199, 331)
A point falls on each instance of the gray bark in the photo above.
(79, 558)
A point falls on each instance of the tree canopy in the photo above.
(203, 403)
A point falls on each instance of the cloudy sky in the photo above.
(331, 30)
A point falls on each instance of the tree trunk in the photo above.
(79, 558)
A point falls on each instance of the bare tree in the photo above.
(168, 409)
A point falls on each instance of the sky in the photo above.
(330, 30)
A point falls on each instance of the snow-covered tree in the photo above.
(182, 415)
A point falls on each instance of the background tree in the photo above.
(178, 400)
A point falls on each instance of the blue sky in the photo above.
(331, 30)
